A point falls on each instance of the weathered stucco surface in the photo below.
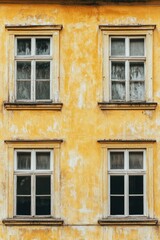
(80, 123)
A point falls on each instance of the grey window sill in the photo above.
(143, 221)
(33, 106)
(32, 221)
(127, 105)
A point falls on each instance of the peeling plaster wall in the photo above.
(81, 123)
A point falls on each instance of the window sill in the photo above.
(32, 222)
(33, 106)
(142, 221)
(127, 106)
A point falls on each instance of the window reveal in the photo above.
(127, 64)
(33, 62)
(127, 182)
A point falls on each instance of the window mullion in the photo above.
(33, 69)
(127, 69)
(126, 183)
(33, 195)
(126, 195)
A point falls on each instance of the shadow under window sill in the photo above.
(32, 221)
(33, 106)
(127, 105)
(143, 221)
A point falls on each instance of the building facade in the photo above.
(79, 120)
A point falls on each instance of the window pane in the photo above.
(136, 71)
(117, 184)
(23, 185)
(136, 205)
(23, 206)
(117, 47)
(43, 185)
(23, 160)
(117, 205)
(136, 160)
(117, 160)
(136, 47)
(43, 205)
(23, 46)
(42, 90)
(24, 70)
(23, 90)
(42, 70)
(43, 160)
(118, 91)
(42, 46)
(137, 91)
(135, 184)
(118, 70)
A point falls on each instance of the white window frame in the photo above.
(146, 32)
(127, 59)
(126, 172)
(39, 145)
(35, 31)
(33, 58)
(33, 172)
(111, 145)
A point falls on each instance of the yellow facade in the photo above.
(80, 123)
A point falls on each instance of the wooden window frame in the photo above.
(33, 172)
(39, 145)
(126, 59)
(148, 218)
(126, 172)
(131, 31)
(33, 59)
(14, 32)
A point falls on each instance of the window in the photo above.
(33, 184)
(127, 64)
(33, 62)
(127, 182)
(33, 180)
(33, 70)
(127, 68)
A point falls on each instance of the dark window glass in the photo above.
(24, 70)
(117, 160)
(23, 90)
(23, 185)
(117, 184)
(23, 46)
(42, 70)
(23, 206)
(136, 160)
(42, 90)
(23, 160)
(42, 46)
(43, 185)
(117, 205)
(43, 205)
(135, 205)
(135, 184)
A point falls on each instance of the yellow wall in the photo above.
(80, 123)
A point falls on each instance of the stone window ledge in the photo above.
(32, 222)
(143, 221)
(127, 105)
(33, 106)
